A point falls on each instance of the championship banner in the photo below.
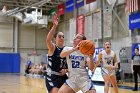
(135, 45)
(79, 3)
(89, 1)
(97, 25)
(72, 29)
(88, 27)
(134, 21)
(60, 10)
(69, 6)
(80, 24)
(53, 11)
(107, 23)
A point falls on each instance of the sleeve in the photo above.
(133, 57)
(66, 48)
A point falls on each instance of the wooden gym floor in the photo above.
(15, 83)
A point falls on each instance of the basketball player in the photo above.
(78, 75)
(57, 66)
(136, 67)
(108, 60)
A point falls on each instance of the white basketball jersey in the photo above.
(76, 64)
(107, 59)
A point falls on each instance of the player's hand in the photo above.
(76, 48)
(93, 69)
(63, 71)
(55, 20)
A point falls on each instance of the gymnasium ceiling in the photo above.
(25, 5)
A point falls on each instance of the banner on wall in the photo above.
(60, 9)
(134, 21)
(88, 27)
(69, 6)
(89, 1)
(79, 3)
(108, 23)
(80, 24)
(97, 25)
(53, 11)
(72, 29)
(135, 45)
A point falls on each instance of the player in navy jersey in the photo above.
(135, 66)
(57, 66)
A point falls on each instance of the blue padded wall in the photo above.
(9, 62)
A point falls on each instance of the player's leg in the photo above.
(135, 73)
(50, 85)
(91, 91)
(107, 83)
(65, 89)
(54, 90)
(87, 86)
(114, 83)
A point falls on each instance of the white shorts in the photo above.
(104, 71)
(82, 83)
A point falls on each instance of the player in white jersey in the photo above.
(77, 73)
(108, 60)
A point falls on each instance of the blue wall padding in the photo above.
(9, 63)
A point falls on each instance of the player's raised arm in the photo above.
(50, 35)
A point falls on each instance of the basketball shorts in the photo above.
(80, 83)
(105, 71)
(54, 81)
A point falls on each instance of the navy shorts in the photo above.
(55, 81)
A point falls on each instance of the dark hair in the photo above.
(83, 37)
(137, 49)
(55, 35)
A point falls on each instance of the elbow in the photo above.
(62, 55)
(48, 39)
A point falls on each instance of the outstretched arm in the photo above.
(65, 53)
(115, 61)
(98, 61)
(49, 37)
(90, 63)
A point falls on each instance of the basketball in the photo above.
(87, 47)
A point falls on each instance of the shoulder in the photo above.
(102, 52)
(67, 48)
(113, 52)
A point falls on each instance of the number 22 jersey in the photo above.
(76, 64)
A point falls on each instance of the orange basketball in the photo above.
(87, 47)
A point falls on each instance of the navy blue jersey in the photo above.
(55, 65)
(55, 62)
